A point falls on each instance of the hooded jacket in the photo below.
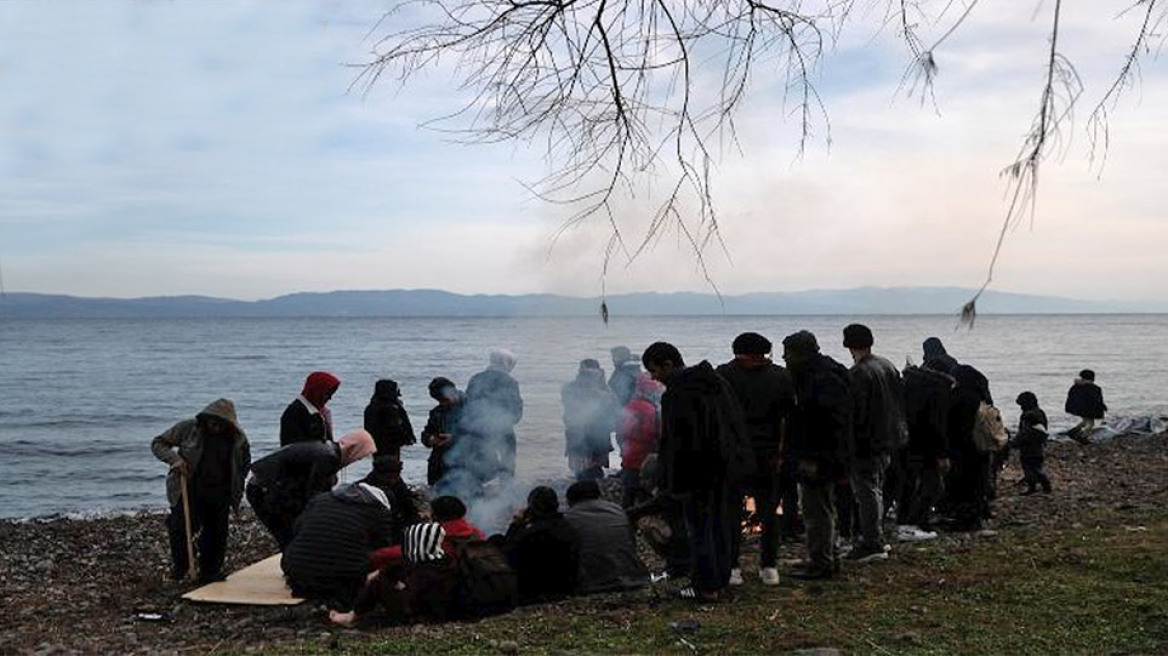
(821, 429)
(301, 469)
(703, 437)
(608, 555)
(386, 419)
(1085, 399)
(589, 412)
(623, 381)
(335, 535)
(639, 432)
(926, 400)
(1032, 427)
(493, 403)
(189, 437)
(766, 393)
(878, 424)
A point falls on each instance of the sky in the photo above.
(155, 148)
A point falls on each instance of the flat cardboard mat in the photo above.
(259, 584)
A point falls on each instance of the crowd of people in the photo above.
(810, 450)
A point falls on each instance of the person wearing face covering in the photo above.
(387, 421)
(283, 481)
(493, 407)
(307, 418)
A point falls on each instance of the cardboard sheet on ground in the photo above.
(259, 584)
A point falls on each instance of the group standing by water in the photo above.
(814, 449)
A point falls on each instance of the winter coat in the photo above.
(545, 553)
(926, 400)
(386, 419)
(299, 470)
(1032, 433)
(334, 536)
(821, 427)
(623, 381)
(767, 396)
(971, 391)
(443, 418)
(608, 555)
(300, 424)
(639, 432)
(703, 437)
(189, 437)
(493, 404)
(878, 424)
(456, 530)
(1085, 399)
(589, 412)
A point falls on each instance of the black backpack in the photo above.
(487, 585)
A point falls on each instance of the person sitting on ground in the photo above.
(1085, 401)
(608, 555)
(542, 548)
(387, 421)
(307, 418)
(639, 435)
(210, 456)
(283, 481)
(327, 558)
(386, 475)
(448, 511)
(1031, 442)
(420, 586)
(442, 427)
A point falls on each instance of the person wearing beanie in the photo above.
(493, 408)
(1085, 401)
(766, 394)
(878, 429)
(821, 435)
(1031, 442)
(307, 418)
(443, 428)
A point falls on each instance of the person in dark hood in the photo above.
(443, 427)
(625, 368)
(878, 428)
(387, 421)
(209, 455)
(968, 484)
(589, 411)
(936, 358)
(328, 557)
(821, 436)
(705, 452)
(307, 418)
(386, 476)
(1031, 442)
(1085, 401)
(493, 407)
(542, 548)
(283, 481)
(925, 460)
(767, 396)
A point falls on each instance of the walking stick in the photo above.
(187, 525)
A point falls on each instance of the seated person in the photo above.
(450, 513)
(660, 522)
(386, 474)
(608, 555)
(422, 586)
(543, 548)
(1085, 401)
(327, 558)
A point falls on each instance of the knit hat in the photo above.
(1087, 374)
(423, 542)
(802, 342)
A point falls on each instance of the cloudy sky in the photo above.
(194, 147)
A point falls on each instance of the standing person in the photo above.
(925, 460)
(968, 483)
(878, 428)
(1085, 401)
(209, 455)
(1031, 442)
(639, 434)
(493, 407)
(442, 427)
(821, 433)
(767, 396)
(283, 481)
(936, 357)
(589, 411)
(387, 421)
(624, 374)
(307, 418)
(705, 452)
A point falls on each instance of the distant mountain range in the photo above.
(432, 302)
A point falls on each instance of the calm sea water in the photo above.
(80, 400)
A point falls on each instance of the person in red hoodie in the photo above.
(448, 511)
(639, 434)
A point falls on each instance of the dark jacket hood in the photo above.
(700, 378)
(222, 409)
(385, 391)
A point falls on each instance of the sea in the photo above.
(81, 399)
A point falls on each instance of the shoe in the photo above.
(769, 575)
(692, 594)
(1027, 492)
(736, 576)
(213, 577)
(812, 574)
(866, 555)
(908, 533)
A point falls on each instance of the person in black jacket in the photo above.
(1085, 401)
(705, 452)
(1031, 442)
(767, 396)
(543, 548)
(925, 460)
(387, 421)
(307, 418)
(283, 481)
(821, 435)
(443, 427)
(968, 484)
(327, 558)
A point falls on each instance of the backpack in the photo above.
(989, 433)
(487, 584)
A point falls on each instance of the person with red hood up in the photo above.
(307, 418)
(639, 434)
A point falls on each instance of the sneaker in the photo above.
(866, 555)
(736, 576)
(769, 575)
(909, 533)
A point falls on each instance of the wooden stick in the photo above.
(187, 524)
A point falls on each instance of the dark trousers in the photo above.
(710, 523)
(921, 490)
(276, 511)
(764, 488)
(632, 493)
(820, 516)
(966, 488)
(1032, 471)
(209, 521)
(790, 523)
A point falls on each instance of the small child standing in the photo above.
(1031, 442)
